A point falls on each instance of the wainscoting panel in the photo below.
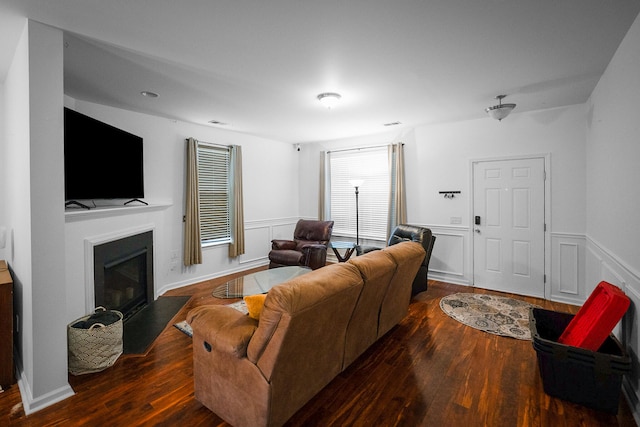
(256, 243)
(258, 236)
(604, 265)
(448, 260)
(568, 268)
(569, 255)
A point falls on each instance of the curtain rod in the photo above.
(210, 143)
(362, 148)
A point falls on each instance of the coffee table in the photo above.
(259, 282)
(349, 247)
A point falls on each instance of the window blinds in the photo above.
(372, 166)
(214, 193)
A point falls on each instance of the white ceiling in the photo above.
(258, 65)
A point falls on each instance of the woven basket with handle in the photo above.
(96, 348)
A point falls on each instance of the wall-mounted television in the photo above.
(100, 160)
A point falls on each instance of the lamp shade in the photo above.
(501, 110)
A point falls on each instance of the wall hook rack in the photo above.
(449, 194)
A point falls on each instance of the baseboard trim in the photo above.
(31, 404)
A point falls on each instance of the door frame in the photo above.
(547, 213)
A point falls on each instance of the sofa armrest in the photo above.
(283, 244)
(314, 256)
(225, 329)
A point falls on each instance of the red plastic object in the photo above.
(595, 320)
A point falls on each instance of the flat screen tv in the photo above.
(100, 161)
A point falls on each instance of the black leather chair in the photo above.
(404, 232)
(422, 235)
(308, 247)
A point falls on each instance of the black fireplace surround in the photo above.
(123, 273)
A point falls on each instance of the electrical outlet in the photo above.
(175, 259)
(455, 220)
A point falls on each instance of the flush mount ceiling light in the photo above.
(149, 94)
(501, 110)
(329, 99)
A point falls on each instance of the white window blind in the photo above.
(372, 166)
(214, 193)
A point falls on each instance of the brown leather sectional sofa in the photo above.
(259, 373)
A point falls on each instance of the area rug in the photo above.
(183, 326)
(493, 314)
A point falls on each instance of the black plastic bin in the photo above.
(589, 378)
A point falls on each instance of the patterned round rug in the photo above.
(497, 315)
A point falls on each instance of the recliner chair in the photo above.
(421, 235)
(308, 247)
(414, 233)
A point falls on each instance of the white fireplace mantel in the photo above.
(79, 214)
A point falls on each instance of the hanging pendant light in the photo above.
(501, 110)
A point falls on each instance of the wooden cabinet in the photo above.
(6, 326)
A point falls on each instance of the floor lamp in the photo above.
(357, 183)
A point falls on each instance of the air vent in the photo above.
(392, 124)
(217, 123)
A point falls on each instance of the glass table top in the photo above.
(258, 283)
(342, 245)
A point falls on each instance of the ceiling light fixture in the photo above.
(329, 99)
(149, 94)
(501, 110)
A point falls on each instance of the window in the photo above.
(370, 165)
(214, 193)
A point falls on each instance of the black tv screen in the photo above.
(100, 161)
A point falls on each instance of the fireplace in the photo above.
(123, 273)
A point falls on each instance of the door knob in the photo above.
(477, 230)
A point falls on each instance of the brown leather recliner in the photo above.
(308, 247)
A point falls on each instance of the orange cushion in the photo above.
(255, 304)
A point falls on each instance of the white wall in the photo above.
(613, 196)
(270, 199)
(438, 158)
(33, 145)
(3, 173)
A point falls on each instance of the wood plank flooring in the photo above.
(428, 371)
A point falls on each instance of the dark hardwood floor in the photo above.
(428, 371)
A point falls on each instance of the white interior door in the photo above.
(508, 237)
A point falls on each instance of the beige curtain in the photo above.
(397, 193)
(322, 194)
(192, 245)
(236, 247)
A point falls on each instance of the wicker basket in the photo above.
(96, 348)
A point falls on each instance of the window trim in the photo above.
(219, 155)
(378, 198)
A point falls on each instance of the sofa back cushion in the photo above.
(376, 268)
(299, 343)
(312, 231)
(395, 305)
